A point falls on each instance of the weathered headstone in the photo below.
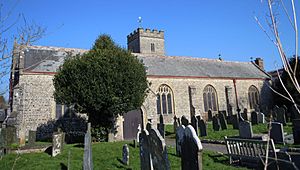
(194, 123)
(87, 155)
(254, 119)
(260, 117)
(210, 115)
(245, 129)
(296, 131)
(235, 121)
(245, 114)
(57, 143)
(216, 123)
(202, 127)
(179, 138)
(222, 120)
(9, 135)
(277, 132)
(280, 116)
(125, 155)
(191, 157)
(31, 137)
(145, 156)
(161, 126)
(184, 121)
(159, 155)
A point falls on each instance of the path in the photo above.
(206, 146)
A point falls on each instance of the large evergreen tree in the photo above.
(104, 82)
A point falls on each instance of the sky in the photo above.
(195, 28)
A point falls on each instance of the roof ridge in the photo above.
(55, 48)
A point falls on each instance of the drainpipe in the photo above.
(236, 96)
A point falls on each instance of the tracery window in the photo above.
(253, 97)
(210, 98)
(164, 101)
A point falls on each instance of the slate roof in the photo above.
(48, 59)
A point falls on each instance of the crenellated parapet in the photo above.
(140, 32)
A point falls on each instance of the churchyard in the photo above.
(186, 144)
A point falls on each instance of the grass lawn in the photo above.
(106, 156)
(219, 135)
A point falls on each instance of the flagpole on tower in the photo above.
(140, 22)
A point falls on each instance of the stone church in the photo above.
(179, 85)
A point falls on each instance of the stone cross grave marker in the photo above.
(145, 156)
(191, 157)
(179, 138)
(277, 132)
(202, 127)
(280, 116)
(57, 143)
(125, 155)
(87, 155)
(254, 119)
(245, 114)
(260, 117)
(194, 123)
(245, 129)
(159, 155)
(184, 121)
(175, 123)
(235, 121)
(161, 126)
(31, 137)
(222, 121)
(216, 123)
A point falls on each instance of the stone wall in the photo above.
(33, 101)
(182, 101)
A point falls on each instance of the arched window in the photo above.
(164, 100)
(253, 97)
(210, 98)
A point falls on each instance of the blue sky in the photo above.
(192, 27)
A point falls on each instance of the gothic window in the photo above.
(152, 47)
(253, 97)
(164, 101)
(210, 98)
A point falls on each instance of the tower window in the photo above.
(152, 47)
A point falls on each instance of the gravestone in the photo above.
(31, 137)
(277, 132)
(296, 131)
(57, 143)
(158, 151)
(161, 126)
(9, 135)
(287, 113)
(175, 124)
(145, 156)
(87, 153)
(260, 117)
(210, 115)
(216, 123)
(191, 157)
(179, 138)
(245, 129)
(254, 119)
(138, 134)
(280, 116)
(245, 114)
(125, 155)
(202, 127)
(222, 121)
(184, 121)
(194, 123)
(235, 121)
(274, 111)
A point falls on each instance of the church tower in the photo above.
(146, 42)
